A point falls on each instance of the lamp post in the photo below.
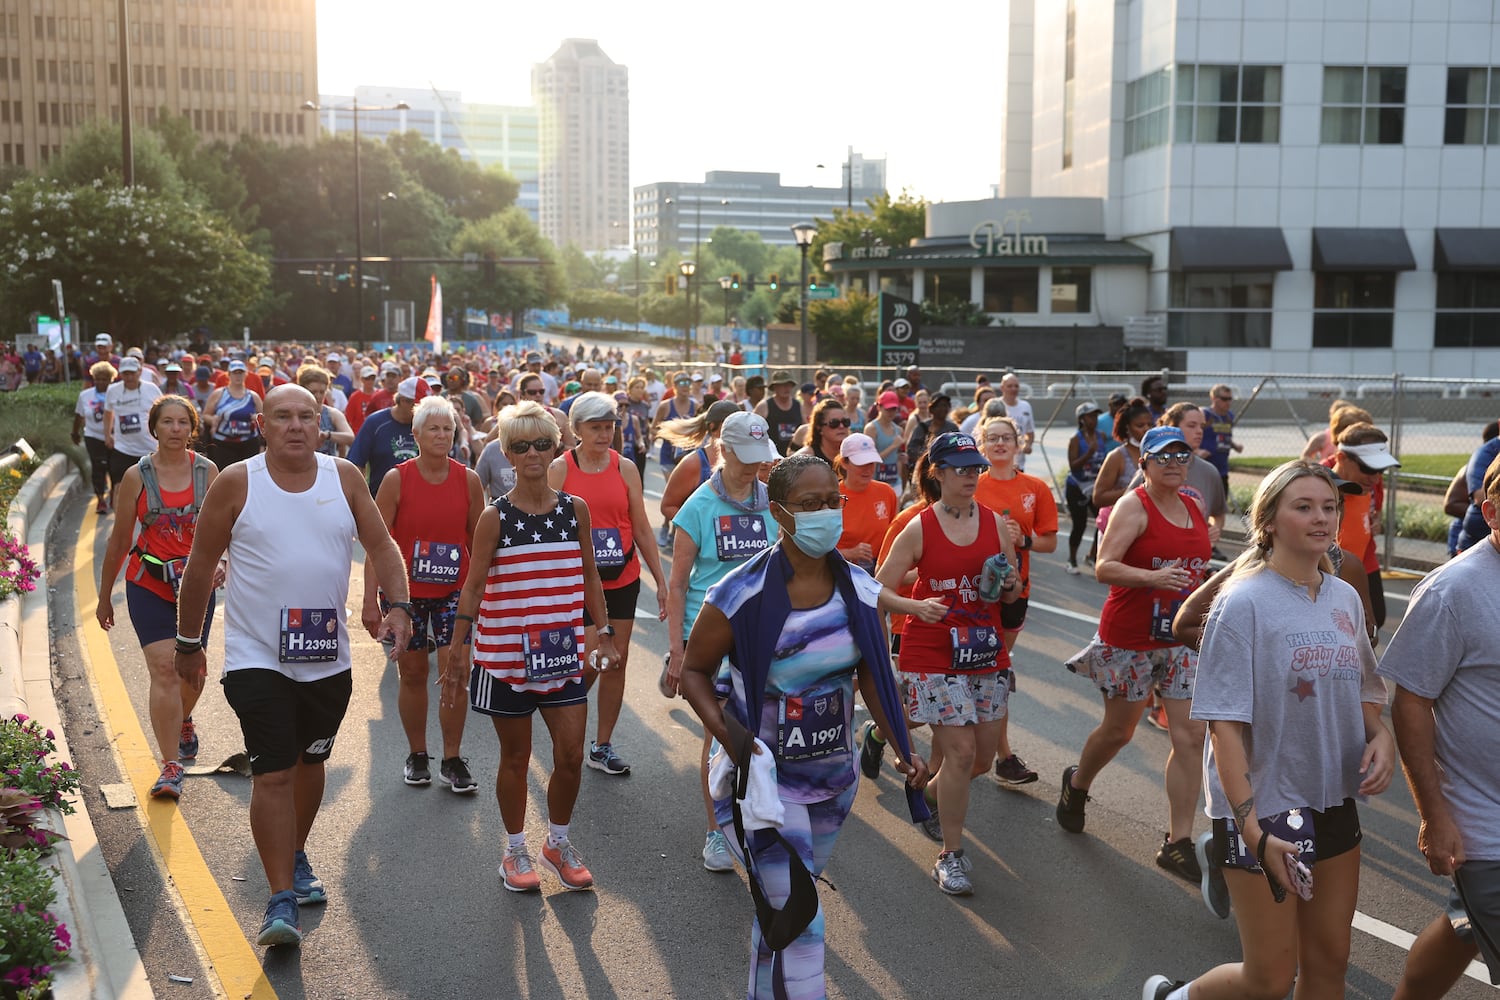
(688, 268)
(380, 251)
(726, 283)
(359, 225)
(803, 233)
(848, 179)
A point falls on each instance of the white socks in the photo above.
(515, 842)
(557, 834)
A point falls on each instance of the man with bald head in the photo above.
(287, 667)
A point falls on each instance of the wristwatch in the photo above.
(608, 630)
(404, 606)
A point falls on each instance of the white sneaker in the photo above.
(716, 856)
(951, 874)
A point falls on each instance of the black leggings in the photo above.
(98, 465)
(1082, 511)
(226, 453)
(1377, 597)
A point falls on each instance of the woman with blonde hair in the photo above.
(1288, 688)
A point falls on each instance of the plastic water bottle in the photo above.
(992, 577)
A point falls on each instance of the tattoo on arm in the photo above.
(1242, 811)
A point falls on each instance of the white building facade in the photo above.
(1317, 181)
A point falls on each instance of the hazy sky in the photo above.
(733, 86)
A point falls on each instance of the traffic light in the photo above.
(775, 281)
(734, 280)
(671, 284)
(812, 284)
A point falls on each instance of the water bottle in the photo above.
(992, 577)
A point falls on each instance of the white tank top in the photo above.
(289, 561)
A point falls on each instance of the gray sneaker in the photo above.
(951, 874)
(716, 856)
(1215, 891)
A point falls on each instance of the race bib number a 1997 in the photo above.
(810, 726)
(309, 635)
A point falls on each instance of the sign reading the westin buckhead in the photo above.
(900, 328)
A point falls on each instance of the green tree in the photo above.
(954, 312)
(845, 328)
(93, 154)
(509, 233)
(893, 222)
(469, 191)
(759, 309)
(141, 264)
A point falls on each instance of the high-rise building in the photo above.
(680, 215)
(230, 69)
(582, 98)
(488, 134)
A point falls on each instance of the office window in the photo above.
(183, 77)
(52, 70)
(234, 125)
(1148, 104)
(1228, 104)
(41, 71)
(1072, 290)
(137, 76)
(1011, 289)
(1354, 310)
(229, 38)
(1473, 116)
(229, 80)
(1220, 309)
(51, 28)
(56, 113)
(15, 69)
(67, 112)
(15, 113)
(37, 31)
(41, 112)
(1364, 104)
(1468, 309)
(1068, 74)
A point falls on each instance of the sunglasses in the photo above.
(534, 392)
(817, 504)
(1170, 457)
(540, 444)
(1225, 399)
(963, 471)
(841, 422)
(1364, 468)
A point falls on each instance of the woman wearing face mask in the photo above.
(952, 672)
(800, 628)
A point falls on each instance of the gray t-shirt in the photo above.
(1296, 671)
(495, 472)
(1446, 650)
(1202, 479)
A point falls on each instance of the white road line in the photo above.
(1403, 940)
(1064, 612)
(652, 494)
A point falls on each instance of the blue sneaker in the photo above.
(187, 743)
(281, 926)
(307, 887)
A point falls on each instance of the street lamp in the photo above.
(848, 180)
(726, 283)
(688, 269)
(359, 226)
(380, 251)
(803, 233)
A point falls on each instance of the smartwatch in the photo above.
(608, 630)
(404, 606)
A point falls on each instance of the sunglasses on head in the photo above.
(1168, 457)
(540, 444)
(839, 422)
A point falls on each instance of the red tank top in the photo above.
(1141, 617)
(971, 633)
(171, 537)
(431, 529)
(609, 516)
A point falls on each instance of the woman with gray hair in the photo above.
(611, 485)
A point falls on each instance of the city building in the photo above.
(679, 215)
(1315, 184)
(582, 99)
(488, 134)
(231, 69)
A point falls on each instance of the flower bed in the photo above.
(32, 940)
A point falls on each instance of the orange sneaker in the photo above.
(1157, 716)
(517, 873)
(566, 863)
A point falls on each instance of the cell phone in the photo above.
(1299, 877)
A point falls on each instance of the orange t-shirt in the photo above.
(898, 622)
(1025, 500)
(867, 515)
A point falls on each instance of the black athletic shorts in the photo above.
(1336, 830)
(619, 604)
(285, 720)
(1013, 615)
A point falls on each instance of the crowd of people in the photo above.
(811, 544)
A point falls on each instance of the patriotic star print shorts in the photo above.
(1133, 674)
(955, 699)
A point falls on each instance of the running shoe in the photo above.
(870, 751)
(280, 926)
(418, 769)
(1157, 715)
(716, 856)
(187, 743)
(1159, 988)
(602, 757)
(1071, 803)
(1215, 891)
(307, 886)
(169, 785)
(951, 875)
(516, 871)
(454, 772)
(1176, 857)
(566, 863)
(1013, 771)
(933, 827)
(1071, 569)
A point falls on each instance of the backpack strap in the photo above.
(201, 465)
(152, 486)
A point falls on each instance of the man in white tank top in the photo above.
(287, 659)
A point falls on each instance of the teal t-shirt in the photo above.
(726, 537)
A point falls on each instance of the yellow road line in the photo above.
(219, 935)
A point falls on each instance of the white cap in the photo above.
(716, 377)
(237, 366)
(104, 338)
(173, 366)
(409, 388)
(1376, 455)
(901, 383)
(368, 371)
(859, 449)
(335, 356)
(748, 436)
(697, 376)
(130, 363)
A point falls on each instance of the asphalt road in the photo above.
(417, 909)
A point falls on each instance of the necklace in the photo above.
(1287, 576)
(956, 513)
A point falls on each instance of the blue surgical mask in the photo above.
(817, 532)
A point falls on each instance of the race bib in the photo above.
(809, 726)
(238, 428)
(550, 653)
(435, 562)
(171, 572)
(739, 536)
(975, 647)
(130, 423)
(1295, 826)
(609, 549)
(1162, 613)
(309, 635)
(96, 412)
(887, 472)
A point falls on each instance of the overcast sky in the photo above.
(721, 86)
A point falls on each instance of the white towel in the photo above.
(761, 807)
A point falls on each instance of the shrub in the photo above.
(32, 940)
(24, 749)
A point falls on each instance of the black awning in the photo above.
(1467, 250)
(1227, 248)
(1362, 250)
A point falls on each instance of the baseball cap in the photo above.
(335, 356)
(572, 387)
(782, 378)
(622, 397)
(611, 380)
(104, 338)
(859, 449)
(368, 371)
(388, 367)
(809, 387)
(412, 388)
(889, 400)
(716, 377)
(748, 436)
(203, 372)
(1376, 455)
(1084, 409)
(1118, 397)
(901, 383)
(681, 380)
(697, 376)
(953, 451)
(172, 366)
(237, 366)
(533, 357)
(1160, 438)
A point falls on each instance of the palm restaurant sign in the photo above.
(1005, 239)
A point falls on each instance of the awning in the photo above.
(1467, 250)
(1362, 250)
(1061, 252)
(1228, 248)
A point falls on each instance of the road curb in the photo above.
(106, 964)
